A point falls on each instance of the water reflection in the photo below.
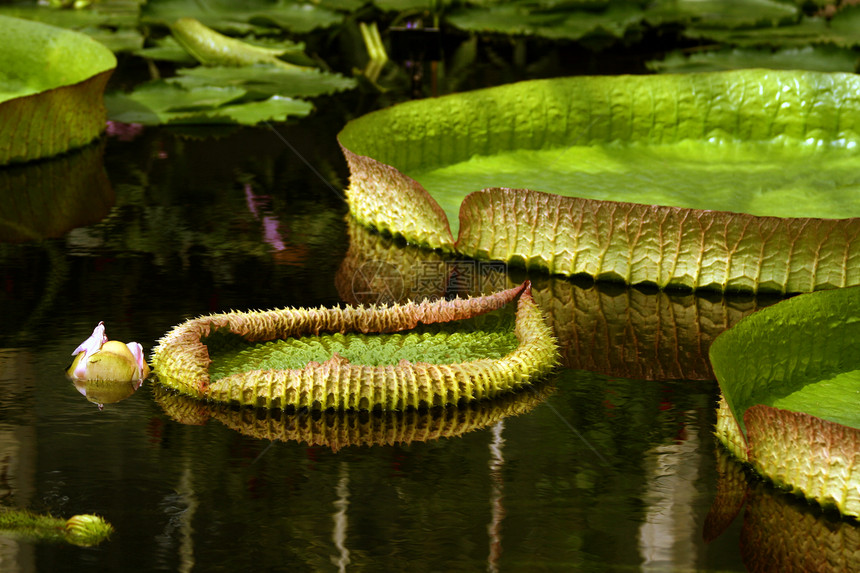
(45, 199)
(666, 538)
(101, 392)
(781, 532)
(339, 429)
(18, 452)
(608, 329)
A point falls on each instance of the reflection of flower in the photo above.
(258, 205)
(98, 358)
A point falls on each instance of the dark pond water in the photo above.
(610, 465)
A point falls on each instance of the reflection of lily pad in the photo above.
(621, 332)
(789, 377)
(339, 429)
(376, 356)
(51, 86)
(779, 533)
(698, 181)
(48, 198)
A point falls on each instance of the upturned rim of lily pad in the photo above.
(612, 240)
(181, 359)
(767, 363)
(54, 80)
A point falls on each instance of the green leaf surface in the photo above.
(51, 86)
(736, 181)
(471, 371)
(835, 399)
(824, 58)
(802, 354)
(110, 22)
(842, 30)
(778, 180)
(266, 80)
(233, 16)
(723, 14)
(471, 340)
(162, 102)
(519, 18)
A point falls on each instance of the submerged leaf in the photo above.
(789, 378)
(51, 86)
(726, 181)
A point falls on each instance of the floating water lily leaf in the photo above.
(724, 181)
(815, 58)
(340, 429)
(267, 80)
(110, 22)
(521, 18)
(842, 30)
(167, 49)
(51, 86)
(163, 102)
(375, 357)
(723, 14)
(790, 378)
(243, 17)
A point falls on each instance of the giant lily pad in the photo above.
(734, 181)
(51, 86)
(790, 377)
(372, 357)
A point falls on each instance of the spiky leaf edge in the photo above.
(182, 360)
